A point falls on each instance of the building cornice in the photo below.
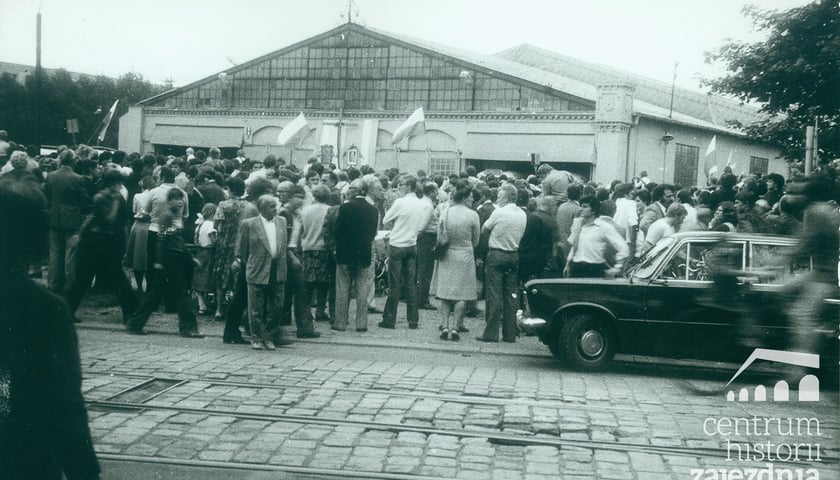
(612, 127)
(522, 116)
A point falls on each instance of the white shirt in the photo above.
(204, 232)
(690, 223)
(657, 231)
(409, 215)
(506, 226)
(270, 231)
(593, 239)
(626, 215)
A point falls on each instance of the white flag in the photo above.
(414, 125)
(293, 128)
(712, 146)
(729, 159)
(712, 171)
(107, 121)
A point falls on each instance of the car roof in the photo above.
(733, 236)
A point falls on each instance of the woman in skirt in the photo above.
(455, 272)
(135, 253)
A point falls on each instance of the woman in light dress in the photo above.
(455, 272)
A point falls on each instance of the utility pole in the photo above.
(38, 73)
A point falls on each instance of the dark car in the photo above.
(703, 295)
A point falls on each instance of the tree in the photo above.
(86, 99)
(794, 74)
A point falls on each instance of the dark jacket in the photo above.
(43, 422)
(355, 229)
(212, 193)
(68, 198)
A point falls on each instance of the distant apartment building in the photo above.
(19, 72)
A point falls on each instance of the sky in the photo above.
(186, 40)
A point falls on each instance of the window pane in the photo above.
(759, 165)
(685, 165)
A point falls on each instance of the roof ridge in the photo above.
(649, 82)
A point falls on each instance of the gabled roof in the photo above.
(498, 67)
(711, 109)
(546, 70)
(586, 86)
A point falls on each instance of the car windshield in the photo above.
(651, 259)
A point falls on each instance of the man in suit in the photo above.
(663, 196)
(262, 250)
(68, 199)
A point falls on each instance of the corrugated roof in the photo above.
(712, 109)
(557, 72)
(585, 83)
(549, 79)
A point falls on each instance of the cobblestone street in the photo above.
(403, 404)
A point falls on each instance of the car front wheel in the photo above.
(587, 342)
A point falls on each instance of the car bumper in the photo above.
(529, 324)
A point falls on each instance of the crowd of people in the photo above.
(236, 238)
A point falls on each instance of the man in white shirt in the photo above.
(506, 226)
(664, 227)
(627, 216)
(408, 215)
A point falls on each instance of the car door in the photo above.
(693, 301)
(770, 266)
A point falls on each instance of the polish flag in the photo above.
(107, 121)
(293, 128)
(414, 125)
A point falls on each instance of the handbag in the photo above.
(442, 244)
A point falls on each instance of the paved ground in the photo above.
(404, 404)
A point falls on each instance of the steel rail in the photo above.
(330, 472)
(463, 399)
(492, 437)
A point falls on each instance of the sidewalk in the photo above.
(98, 312)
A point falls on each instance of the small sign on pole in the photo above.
(72, 125)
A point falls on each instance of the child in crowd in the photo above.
(205, 239)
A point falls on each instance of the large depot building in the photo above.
(356, 85)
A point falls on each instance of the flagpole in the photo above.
(428, 155)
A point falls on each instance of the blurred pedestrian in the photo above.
(102, 246)
(68, 199)
(44, 430)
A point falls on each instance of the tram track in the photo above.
(303, 472)
(467, 399)
(492, 436)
